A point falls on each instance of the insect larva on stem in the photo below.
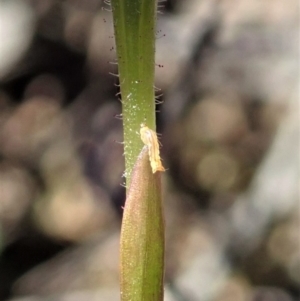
(149, 137)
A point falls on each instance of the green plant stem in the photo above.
(134, 27)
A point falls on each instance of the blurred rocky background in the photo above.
(229, 77)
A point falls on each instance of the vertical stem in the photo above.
(134, 26)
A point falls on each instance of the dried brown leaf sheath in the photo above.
(142, 236)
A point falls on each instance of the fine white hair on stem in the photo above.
(119, 116)
(114, 74)
(119, 142)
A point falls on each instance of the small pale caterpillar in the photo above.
(149, 138)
